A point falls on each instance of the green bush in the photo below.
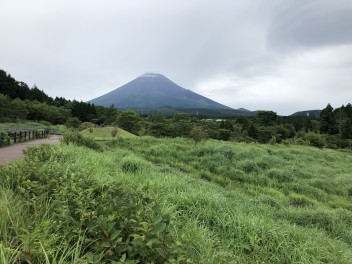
(132, 164)
(4, 139)
(79, 140)
(315, 139)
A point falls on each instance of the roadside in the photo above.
(15, 152)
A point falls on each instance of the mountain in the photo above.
(152, 91)
(311, 113)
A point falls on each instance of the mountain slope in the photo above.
(311, 113)
(152, 90)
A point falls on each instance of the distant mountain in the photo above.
(311, 113)
(152, 91)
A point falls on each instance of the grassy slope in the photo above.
(104, 133)
(254, 203)
(231, 203)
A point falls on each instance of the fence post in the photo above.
(14, 137)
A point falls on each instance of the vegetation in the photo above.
(107, 196)
(19, 102)
(149, 200)
(105, 133)
(333, 129)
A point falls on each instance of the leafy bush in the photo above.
(4, 139)
(114, 131)
(79, 140)
(86, 125)
(315, 139)
(132, 164)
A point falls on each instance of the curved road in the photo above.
(15, 151)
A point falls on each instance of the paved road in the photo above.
(15, 152)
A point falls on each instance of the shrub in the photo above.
(79, 140)
(114, 132)
(249, 166)
(4, 139)
(132, 164)
(315, 139)
(198, 134)
(86, 125)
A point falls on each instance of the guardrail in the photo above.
(7, 138)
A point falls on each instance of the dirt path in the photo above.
(15, 152)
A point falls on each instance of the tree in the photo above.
(347, 130)
(128, 120)
(4, 106)
(267, 118)
(73, 122)
(327, 121)
(252, 131)
(197, 134)
(18, 109)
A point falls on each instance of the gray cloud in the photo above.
(283, 55)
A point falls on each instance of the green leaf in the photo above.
(106, 244)
(156, 209)
(123, 258)
(160, 227)
(114, 234)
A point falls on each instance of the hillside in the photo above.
(152, 90)
(159, 200)
(310, 113)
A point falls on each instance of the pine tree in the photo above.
(327, 121)
(347, 130)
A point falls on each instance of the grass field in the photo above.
(147, 200)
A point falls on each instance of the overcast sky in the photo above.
(280, 55)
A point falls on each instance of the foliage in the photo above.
(197, 134)
(149, 200)
(315, 139)
(73, 122)
(65, 206)
(128, 120)
(4, 138)
(104, 133)
(86, 125)
(327, 121)
(80, 140)
(114, 132)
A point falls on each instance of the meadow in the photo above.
(148, 200)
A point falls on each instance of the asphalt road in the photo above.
(15, 152)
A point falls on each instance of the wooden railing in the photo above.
(7, 138)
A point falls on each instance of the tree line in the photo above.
(332, 129)
(19, 101)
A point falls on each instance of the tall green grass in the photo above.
(217, 202)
